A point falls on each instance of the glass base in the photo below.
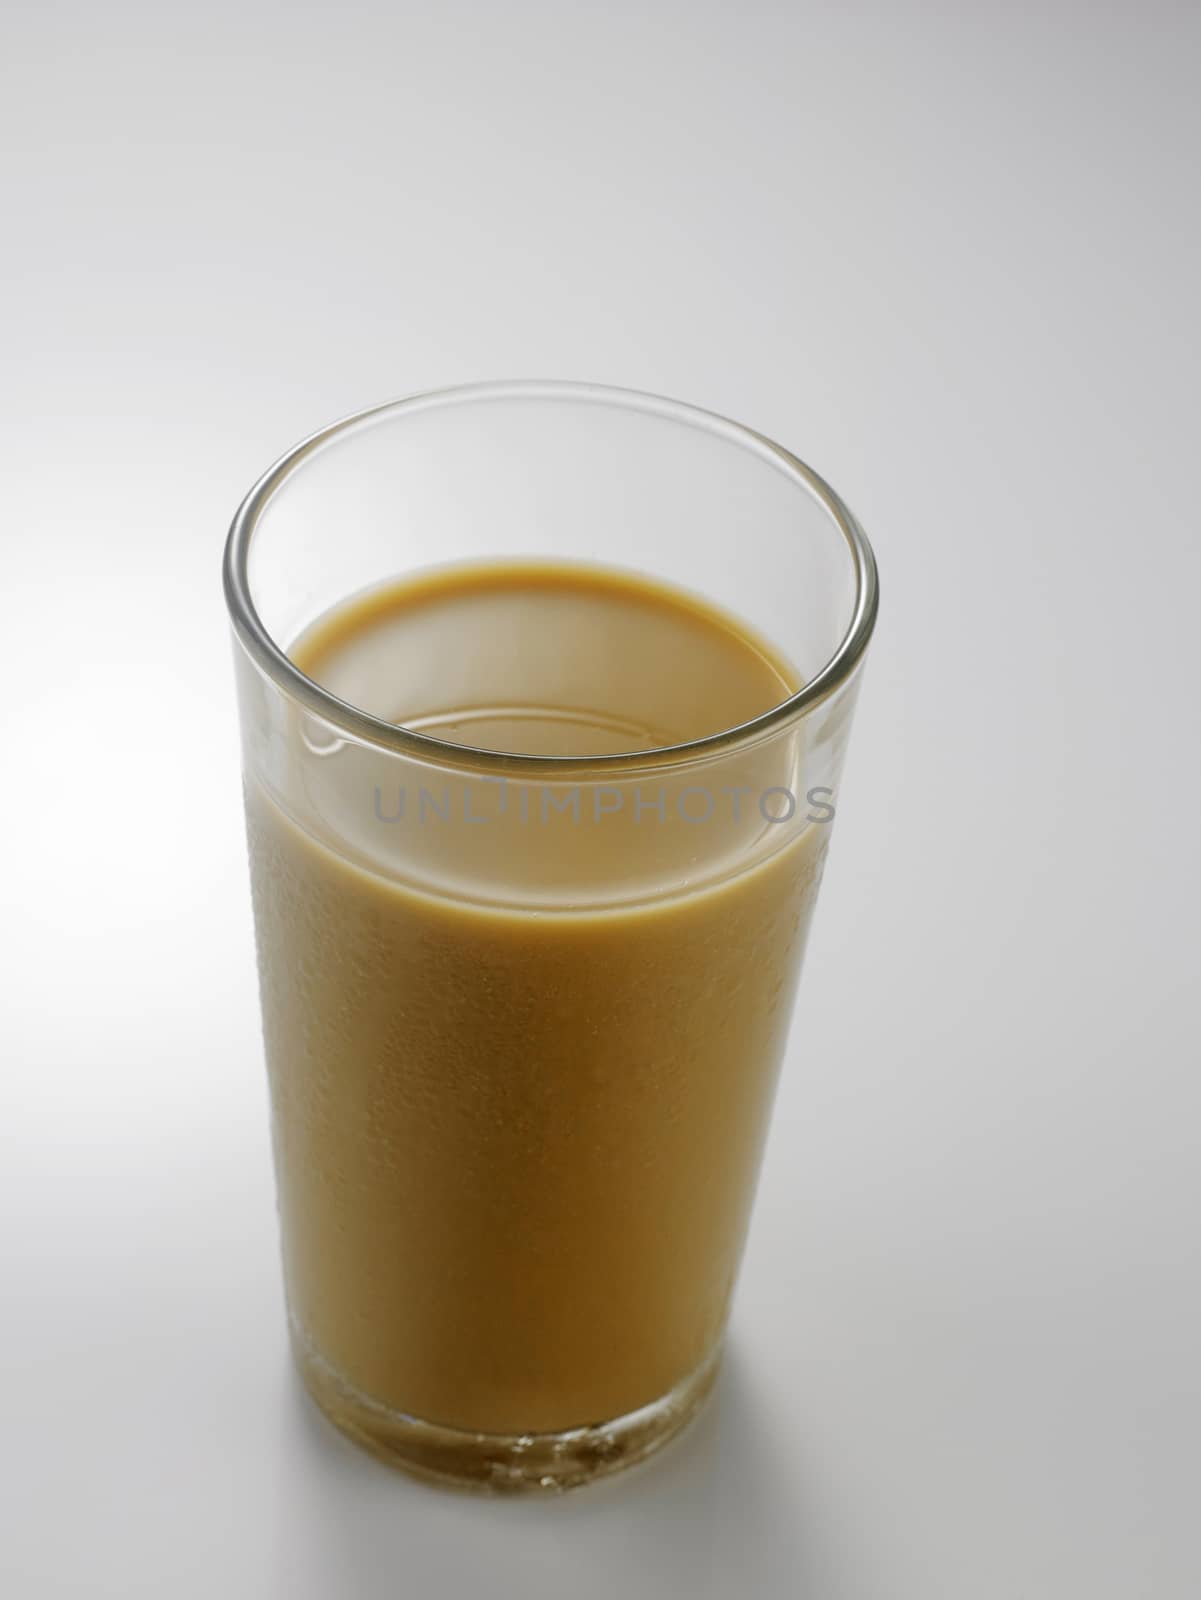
(498, 1463)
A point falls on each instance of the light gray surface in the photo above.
(948, 255)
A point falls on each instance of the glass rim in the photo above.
(358, 724)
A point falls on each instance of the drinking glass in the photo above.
(520, 1091)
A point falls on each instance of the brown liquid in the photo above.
(517, 1131)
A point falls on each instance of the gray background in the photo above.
(949, 255)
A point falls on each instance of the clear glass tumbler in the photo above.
(524, 1013)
